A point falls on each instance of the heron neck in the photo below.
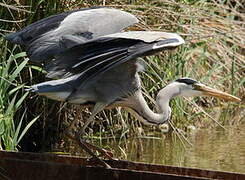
(139, 108)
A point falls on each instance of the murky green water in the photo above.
(218, 150)
(210, 150)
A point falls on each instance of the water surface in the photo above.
(211, 149)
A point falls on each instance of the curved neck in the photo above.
(140, 109)
(164, 96)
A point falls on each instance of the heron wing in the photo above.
(35, 30)
(102, 68)
(99, 55)
(54, 34)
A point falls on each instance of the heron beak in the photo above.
(208, 91)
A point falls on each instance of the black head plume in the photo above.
(187, 81)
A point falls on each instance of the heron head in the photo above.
(190, 87)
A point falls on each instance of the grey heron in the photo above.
(94, 62)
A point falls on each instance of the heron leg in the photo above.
(86, 146)
(98, 107)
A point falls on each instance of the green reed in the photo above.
(11, 98)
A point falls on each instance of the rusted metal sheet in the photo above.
(50, 166)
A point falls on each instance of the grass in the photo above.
(213, 54)
(11, 98)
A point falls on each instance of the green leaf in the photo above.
(15, 89)
(18, 130)
(19, 102)
(17, 70)
(26, 128)
(2, 126)
(19, 55)
(11, 106)
(37, 68)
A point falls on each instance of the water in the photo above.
(212, 149)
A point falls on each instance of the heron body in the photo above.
(93, 61)
(104, 70)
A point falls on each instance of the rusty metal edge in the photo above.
(122, 165)
(27, 169)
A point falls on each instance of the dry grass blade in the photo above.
(180, 135)
(202, 110)
(14, 8)
(10, 21)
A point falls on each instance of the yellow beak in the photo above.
(208, 91)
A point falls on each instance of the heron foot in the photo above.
(104, 164)
(103, 152)
(87, 148)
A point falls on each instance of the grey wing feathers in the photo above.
(100, 55)
(53, 35)
(34, 30)
(91, 55)
(104, 62)
(136, 49)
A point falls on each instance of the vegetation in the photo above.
(213, 53)
(10, 100)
